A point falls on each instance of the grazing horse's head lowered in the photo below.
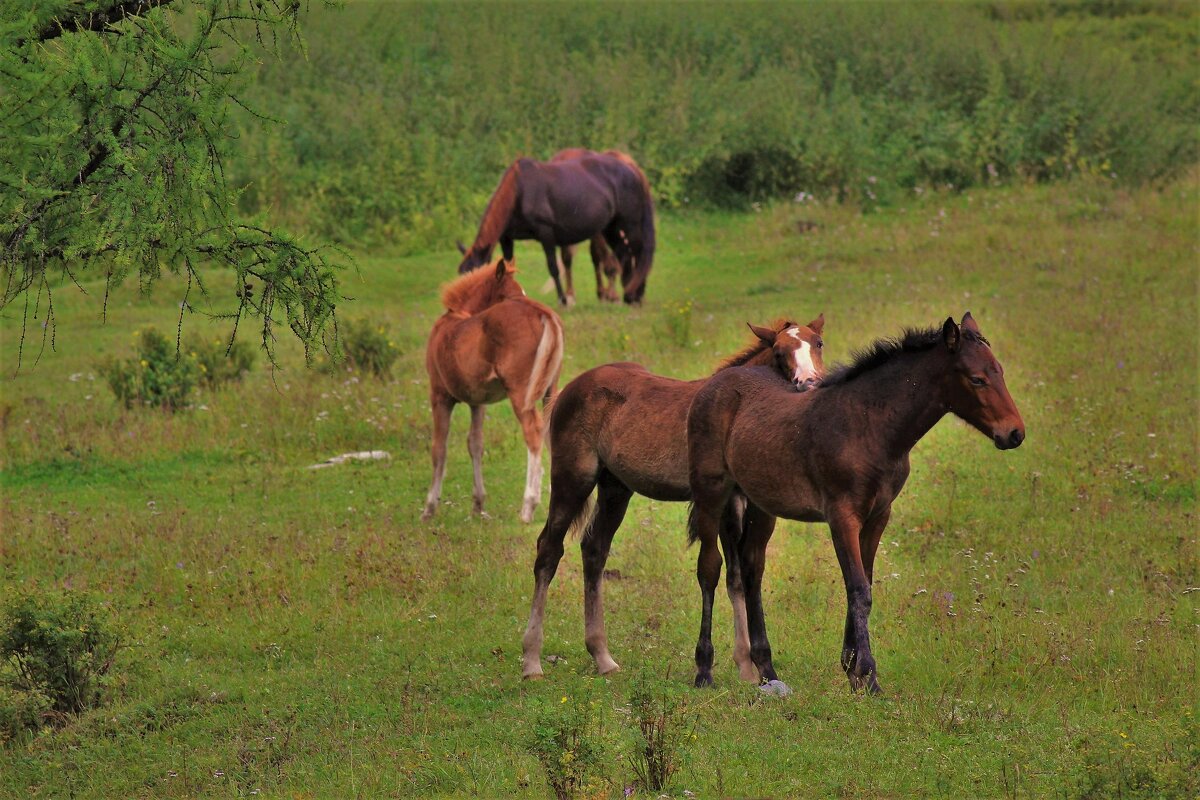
(979, 395)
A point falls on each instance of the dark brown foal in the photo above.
(836, 454)
(619, 429)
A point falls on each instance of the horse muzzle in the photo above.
(1009, 441)
(805, 385)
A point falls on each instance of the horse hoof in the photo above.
(776, 688)
(533, 676)
(609, 668)
(427, 514)
(704, 681)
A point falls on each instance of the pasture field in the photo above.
(296, 633)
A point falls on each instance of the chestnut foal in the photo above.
(493, 342)
(620, 429)
(837, 454)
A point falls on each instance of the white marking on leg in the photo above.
(741, 638)
(533, 485)
(532, 641)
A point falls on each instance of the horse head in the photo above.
(977, 391)
(797, 350)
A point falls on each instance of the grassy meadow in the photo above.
(297, 633)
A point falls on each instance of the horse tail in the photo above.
(692, 523)
(498, 212)
(547, 361)
(581, 526)
(645, 259)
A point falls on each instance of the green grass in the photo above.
(301, 633)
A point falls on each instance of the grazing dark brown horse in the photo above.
(561, 203)
(621, 429)
(604, 262)
(837, 454)
(493, 342)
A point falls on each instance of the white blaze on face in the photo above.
(805, 369)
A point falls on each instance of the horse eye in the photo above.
(977, 381)
(820, 344)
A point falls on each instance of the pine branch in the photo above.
(96, 21)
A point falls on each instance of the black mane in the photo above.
(913, 340)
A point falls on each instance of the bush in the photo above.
(366, 347)
(568, 740)
(157, 376)
(665, 727)
(220, 363)
(56, 651)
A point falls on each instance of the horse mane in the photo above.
(457, 294)
(499, 210)
(743, 356)
(880, 352)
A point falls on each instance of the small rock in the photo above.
(777, 688)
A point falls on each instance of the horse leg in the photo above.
(846, 528)
(731, 540)
(705, 521)
(506, 248)
(868, 540)
(532, 427)
(570, 487)
(568, 256)
(757, 528)
(442, 405)
(611, 502)
(475, 447)
(552, 265)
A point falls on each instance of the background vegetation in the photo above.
(288, 632)
(405, 115)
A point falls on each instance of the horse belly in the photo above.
(650, 454)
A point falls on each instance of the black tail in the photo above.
(645, 259)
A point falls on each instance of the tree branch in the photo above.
(95, 20)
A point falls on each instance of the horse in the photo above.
(561, 203)
(604, 262)
(837, 454)
(621, 429)
(493, 342)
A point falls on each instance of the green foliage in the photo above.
(367, 347)
(55, 652)
(397, 132)
(219, 362)
(665, 726)
(677, 322)
(568, 740)
(158, 375)
(114, 133)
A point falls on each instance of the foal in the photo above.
(837, 454)
(622, 429)
(493, 342)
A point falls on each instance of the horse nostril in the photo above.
(1016, 437)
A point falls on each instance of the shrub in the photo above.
(220, 363)
(665, 727)
(157, 376)
(56, 650)
(366, 347)
(568, 741)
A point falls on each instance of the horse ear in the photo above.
(817, 324)
(969, 323)
(501, 270)
(462, 248)
(765, 334)
(950, 334)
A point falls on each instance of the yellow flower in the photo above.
(145, 363)
(563, 700)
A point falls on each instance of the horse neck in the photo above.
(902, 399)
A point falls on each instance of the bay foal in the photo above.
(620, 429)
(837, 454)
(493, 342)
